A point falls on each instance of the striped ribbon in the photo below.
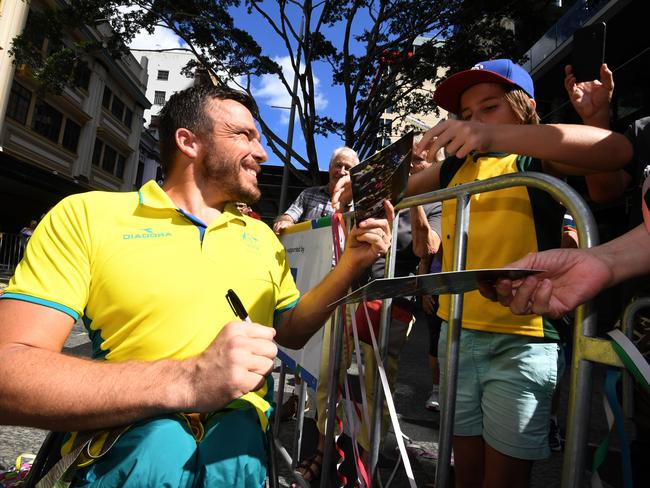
(639, 368)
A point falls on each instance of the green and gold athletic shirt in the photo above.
(504, 225)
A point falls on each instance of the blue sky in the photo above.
(269, 91)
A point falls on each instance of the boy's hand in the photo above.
(456, 137)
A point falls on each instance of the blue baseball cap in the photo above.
(504, 71)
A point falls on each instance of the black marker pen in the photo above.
(237, 306)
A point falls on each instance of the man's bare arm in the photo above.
(364, 245)
(425, 241)
(41, 387)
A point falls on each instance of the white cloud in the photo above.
(271, 91)
(162, 38)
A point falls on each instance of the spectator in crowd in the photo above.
(316, 202)
(182, 381)
(25, 234)
(502, 416)
(246, 209)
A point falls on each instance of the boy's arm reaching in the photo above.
(568, 149)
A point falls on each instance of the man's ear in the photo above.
(187, 142)
(533, 103)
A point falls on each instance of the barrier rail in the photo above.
(627, 327)
(12, 247)
(588, 349)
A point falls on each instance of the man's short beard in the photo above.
(227, 176)
(248, 197)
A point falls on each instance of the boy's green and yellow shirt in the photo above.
(504, 225)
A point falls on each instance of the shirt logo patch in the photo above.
(250, 240)
(147, 233)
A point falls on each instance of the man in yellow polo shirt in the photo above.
(148, 271)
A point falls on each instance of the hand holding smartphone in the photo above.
(588, 51)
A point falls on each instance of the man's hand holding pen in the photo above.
(237, 362)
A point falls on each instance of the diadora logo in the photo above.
(147, 233)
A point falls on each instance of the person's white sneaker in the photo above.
(433, 402)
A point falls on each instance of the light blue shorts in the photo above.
(161, 452)
(504, 390)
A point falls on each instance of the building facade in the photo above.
(165, 77)
(86, 137)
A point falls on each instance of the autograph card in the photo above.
(432, 284)
(381, 176)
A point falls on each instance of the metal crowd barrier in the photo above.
(588, 349)
(12, 247)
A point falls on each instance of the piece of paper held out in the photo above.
(449, 282)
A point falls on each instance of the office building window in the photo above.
(19, 100)
(119, 167)
(106, 99)
(109, 158)
(159, 98)
(97, 152)
(47, 121)
(108, 161)
(163, 75)
(117, 108)
(82, 76)
(140, 176)
(128, 117)
(71, 135)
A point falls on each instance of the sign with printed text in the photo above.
(308, 247)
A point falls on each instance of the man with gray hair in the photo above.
(316, 202)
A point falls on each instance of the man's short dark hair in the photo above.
(187, 109)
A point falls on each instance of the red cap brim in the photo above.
(447, 94)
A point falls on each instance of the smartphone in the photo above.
(588, 51)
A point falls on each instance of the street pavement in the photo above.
(410, 393)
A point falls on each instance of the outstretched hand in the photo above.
(591, 99)
(570, 277)
(370, 239)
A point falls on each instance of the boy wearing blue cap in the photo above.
(508, 365)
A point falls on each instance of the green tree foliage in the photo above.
(368, 44)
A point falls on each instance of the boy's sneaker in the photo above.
(554, 440)
(433, 402)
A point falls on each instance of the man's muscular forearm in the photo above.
(41, 387)
(49, 390)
